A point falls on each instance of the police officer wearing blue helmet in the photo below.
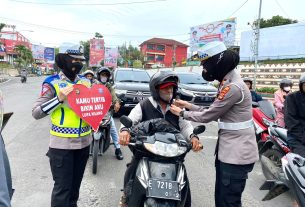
(70, 136)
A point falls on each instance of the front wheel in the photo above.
(95, 152)
(271, 163)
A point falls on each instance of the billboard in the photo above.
(38, 51)
(96, 52)
(49, 54)
(111, 57)
(215, 31)
(280, 42)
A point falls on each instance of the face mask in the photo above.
(78, 66)
(206, 76)
(166, 97)
(287, 89)
(104, 79)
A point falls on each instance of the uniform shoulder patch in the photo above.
(223, 93)
(45, 89)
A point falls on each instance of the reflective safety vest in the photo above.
(65, 122)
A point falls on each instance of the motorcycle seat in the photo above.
(282, 133)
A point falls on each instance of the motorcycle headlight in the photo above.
(188, 92)
(119, 91)
(165, 150)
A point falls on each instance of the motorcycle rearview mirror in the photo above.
(199, 129)
(126, 121)
(255, 104)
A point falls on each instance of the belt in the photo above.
(235, 126)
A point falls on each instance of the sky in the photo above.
(128, 21)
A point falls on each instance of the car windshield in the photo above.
(191, 79)
(132, 76)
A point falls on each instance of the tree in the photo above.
(137, 64)
(24, 56)
(275, 21)
(1, 26)
(98, 35)
(86, 45)
(129, 55)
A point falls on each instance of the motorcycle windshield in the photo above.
(267, 108)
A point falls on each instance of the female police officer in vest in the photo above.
(236, 150)
(70, 136)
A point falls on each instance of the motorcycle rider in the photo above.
(279, 99)
(163, 87)
(89, 74)
(255, 96)
(24, 74)
(294, 116)
(70, 135)
(103, 76)
(236, 150)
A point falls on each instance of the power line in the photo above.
(281, 8)
(86, 4)
(86, 33)
(239, 8)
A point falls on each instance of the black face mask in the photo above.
(64, 62)
(207, 76)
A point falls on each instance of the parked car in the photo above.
(195, 89)
(131, 86)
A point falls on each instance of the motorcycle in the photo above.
(101, 140)
(263, 112)
(160, 177)
(294, 179)
(273, 149)
(23, 79)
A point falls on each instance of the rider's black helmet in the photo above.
(103, 70)
(285, 82)
(302, 80)
(162, 77)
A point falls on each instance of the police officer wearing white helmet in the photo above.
(70, 135)
(236, 150)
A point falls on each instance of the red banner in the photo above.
(96, 52)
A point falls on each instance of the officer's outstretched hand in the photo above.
(116, 107)
(63, 93)
(182, 104)
(124, 138)
(175, 110)
(196, 144)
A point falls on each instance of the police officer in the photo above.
(70, 135)
(236, 150)
(295, 118)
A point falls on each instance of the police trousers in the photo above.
(230, 183)
(67, 168)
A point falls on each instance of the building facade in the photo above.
(159, 52)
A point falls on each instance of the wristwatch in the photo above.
(181, 113)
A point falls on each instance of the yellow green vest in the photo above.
(65, 122)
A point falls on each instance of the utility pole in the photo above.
(257, 27)
(174, 57)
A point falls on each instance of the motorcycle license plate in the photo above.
(165, 189)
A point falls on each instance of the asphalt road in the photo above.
(27, 143)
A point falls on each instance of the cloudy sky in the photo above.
(132, 21)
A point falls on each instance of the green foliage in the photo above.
(86, 45)
(129, 54)
(98, 35)
(137, 64)
(266, 90)
(275, 21)
(24, 56)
